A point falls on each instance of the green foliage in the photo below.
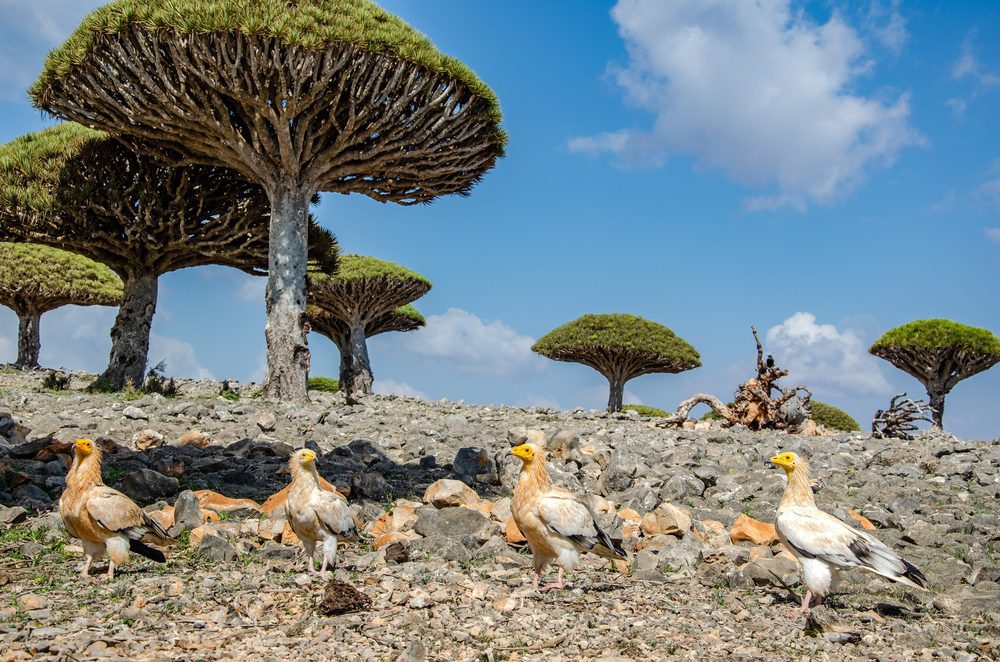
(313, 24)
(156, 381)
(410, 313)
(55, 381)
(31, 164)
(360, 267)
(325, 384)
(227, 392)
(832, 418)
(44, 278)
(645, 411)
(939, 334)
(712, 415)
(112, 475)
(618, 332)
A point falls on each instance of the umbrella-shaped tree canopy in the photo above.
(620, 347)
(71, 187)
(366, 296)
(36, 279)
(939, 353)
(300, 97)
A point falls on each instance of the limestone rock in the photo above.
(145, 439)
(746, 528)
(667, 519)
(447, 493)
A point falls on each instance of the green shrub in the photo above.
(55, 381)
(645, 411)
(832, 418)
(712, 415)
(324, 384)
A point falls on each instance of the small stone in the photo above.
(187, 513)
(667, 519)
(217, 548)
(12, 515)
(146, 485)
(505, 605)
(266, 422)
(193, 438)
(134, 413)
(473, 461)
(370, 485)
(746, 528)
(415, 652)
(145, 439)
(459, 523)
(31, 602)
(447, 493)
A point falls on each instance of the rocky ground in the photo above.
(442, 571)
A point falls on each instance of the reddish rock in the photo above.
(746, 528)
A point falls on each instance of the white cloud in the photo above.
(993, 234)
(390, 387)
(251, 288)
(823, 359)
(757, 91)
(466, 343)
(77, 337)
(888, 25)
(630, 398)
(968, 66)
(180, 357)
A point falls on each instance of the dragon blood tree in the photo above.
(36, 279)
(939, 353)
(405, 318)
(365, 297)
(78, 189)
(619, 347)
(299, 97)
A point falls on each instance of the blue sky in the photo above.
(824, 170)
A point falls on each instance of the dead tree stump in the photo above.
(759, 403)
(899, 420)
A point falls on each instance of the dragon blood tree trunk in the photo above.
(285, 297)
(130, 334)
(617, 393)
(935, 398)
(355, 366)
(28, 339)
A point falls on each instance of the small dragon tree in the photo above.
(363, 298)
(36, 279)
(299, 97)
(405, 318)
(78, 189)
(620, 347)
(939, 353)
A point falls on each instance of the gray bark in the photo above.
(130, 334)
(28, 339)
(935, 398)
(285, 296)
(617, 392)
(355, 366)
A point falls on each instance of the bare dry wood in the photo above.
(899, 420)
(759, 403)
